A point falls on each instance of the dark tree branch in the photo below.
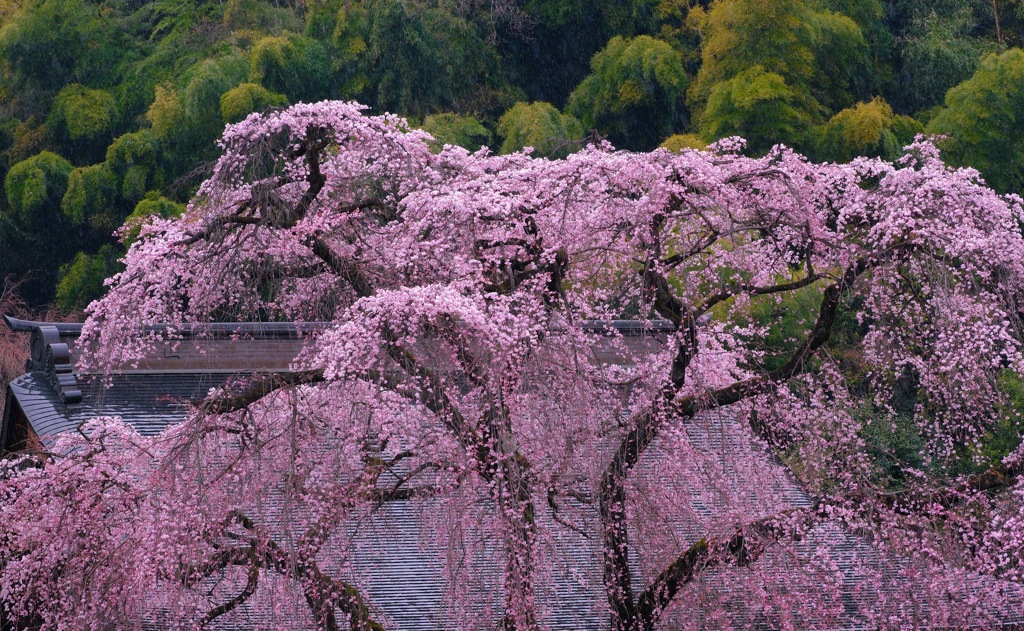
(753, 290)
(323, 593)
(742, 548)
(255, 392)
(648, 424)
(250, 587)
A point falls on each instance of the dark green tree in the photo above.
(551, 56)
(132, 159)
(293, 65)
(634, 94)
(35, 188)
(821, 56)
(81, 281)
(871, 16)
(677, 142)
(349, 50)
(34, 233)
(82, 121)
(91, 203)
(938, 51)
(984, 121)
(50, 43)
(185, 118)
(866, 129)
(421, 60)
(762, 108)
(541, 126)
(261, 16)
(449, 128)
(242, 100)
(153, 205)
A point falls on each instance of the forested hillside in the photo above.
(110, 110)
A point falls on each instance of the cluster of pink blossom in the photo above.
(466, 365)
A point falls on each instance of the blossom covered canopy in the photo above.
(456, 360)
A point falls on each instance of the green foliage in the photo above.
(866, 129)
(262, 16)
(759, 106)
(291, 64)
(906, 129)
(83, 113)
(206, 82)
(240, 101)
(821, 58)
(50, 43)
(843, 71)
(186, 122)
(1005, 437)
(679, 23)
(165, 114)
(894, 444)
(788, 322)
(321, 19)
(454, 129)
(871, 18)
(35, 188)
(132, 158)
(634, 93)
(351, 65)
(739, 34)
(82, 121)
(178, 34)
(984, 120)
(541, 126)
(938, 53)
(563, 35)
(28, 137)
(90, 198)
(81, 280)
(421, 60)
(153, 205)
(677, 142)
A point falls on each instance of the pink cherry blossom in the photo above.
(461, 366)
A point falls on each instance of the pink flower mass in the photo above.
(464, 364)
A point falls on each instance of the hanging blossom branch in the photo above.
(455, 283)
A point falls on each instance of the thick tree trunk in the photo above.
(518, 511)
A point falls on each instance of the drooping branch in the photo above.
(343, 267)
(612, 498)
(676, 259)
(257, 550)
(273, 212)
(316, 141)
(252, 581)
(219, 223)
(491, 442)
(743, 547)
(998, 477)
(258, 390)
(754, 290)
(647, 425)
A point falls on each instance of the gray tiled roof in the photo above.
(148, 402)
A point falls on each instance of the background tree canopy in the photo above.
(133, 94)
